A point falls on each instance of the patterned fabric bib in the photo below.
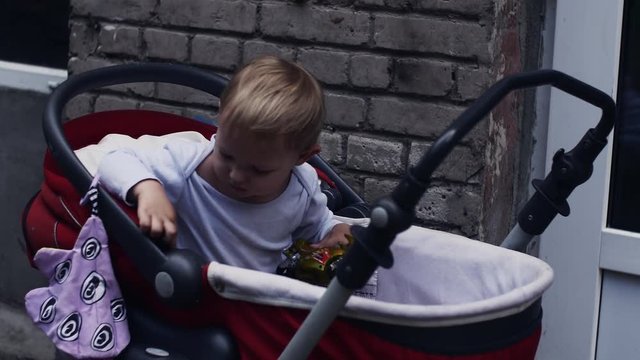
(82, 310)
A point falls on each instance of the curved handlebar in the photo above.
(422, 171)
(176, 277)
(395, 213)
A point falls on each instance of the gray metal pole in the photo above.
(517, 239)
(317, 322)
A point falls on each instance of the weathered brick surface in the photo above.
(409, 117)
(79, 105)
(148, 105)
(472, 82)
(374, 155)
(83, 38)
(469, 7)
(425, 77)
(330, 67)
(315, 24)
(115, 9)
(332, 145)
(397, 73)
(231, 15)
(165, 44)
(253, 49)
(344, 110)
(139, 89)
(119, 39)
(432, 36)
(185, 94)
(216, 51)
(110, 102)
(79, 65)
(462, 164)
(458, 205)
(370, 71)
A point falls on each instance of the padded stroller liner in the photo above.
(438, 279)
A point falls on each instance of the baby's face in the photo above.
(251, 167)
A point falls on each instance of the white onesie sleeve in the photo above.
(170, 164)
(318, 219)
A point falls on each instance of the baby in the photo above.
(243, 197)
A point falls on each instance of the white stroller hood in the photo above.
(438, 279)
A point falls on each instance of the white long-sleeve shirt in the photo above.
(218, 227)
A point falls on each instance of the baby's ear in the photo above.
(305, 155)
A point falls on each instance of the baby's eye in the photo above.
(225, 156)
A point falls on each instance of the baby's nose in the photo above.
(238, 176)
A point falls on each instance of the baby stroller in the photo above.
(446, 296)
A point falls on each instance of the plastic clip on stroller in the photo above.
(395, 212)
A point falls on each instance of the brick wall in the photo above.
(396, 74)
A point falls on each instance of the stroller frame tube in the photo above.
(395, 212)
(176, 275)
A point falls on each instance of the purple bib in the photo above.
(82, 310)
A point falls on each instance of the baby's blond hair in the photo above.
(276, 97)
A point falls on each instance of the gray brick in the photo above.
(374, 155)
(472, 82)
(115, 9)
(344, 110)
(425, 77)
(79, 105)
(165, 44)
(227, 15)
(454, 205)
(432, 36)
(119, 39)
(370, 71)
(185, 94)
(140, 89)
(411, 117)
(215, 51)
(80, 65)
(332, 147)
(253, 49)
(110, 102)
(467, 7)
(330, 67)
(370, 2)
(315, 24)
(460, 206)
(374, 189)
(83, 39)
(462, 164)
(153, 106)
(356, 182)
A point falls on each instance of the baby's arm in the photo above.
(152, 179)
(155, 212)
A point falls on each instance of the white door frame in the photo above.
(586, 46)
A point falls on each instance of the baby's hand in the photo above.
(337, 236)
(155, 212)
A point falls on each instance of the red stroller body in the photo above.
(493, 312)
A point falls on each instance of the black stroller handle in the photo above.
(177, 276)
(395, 212)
